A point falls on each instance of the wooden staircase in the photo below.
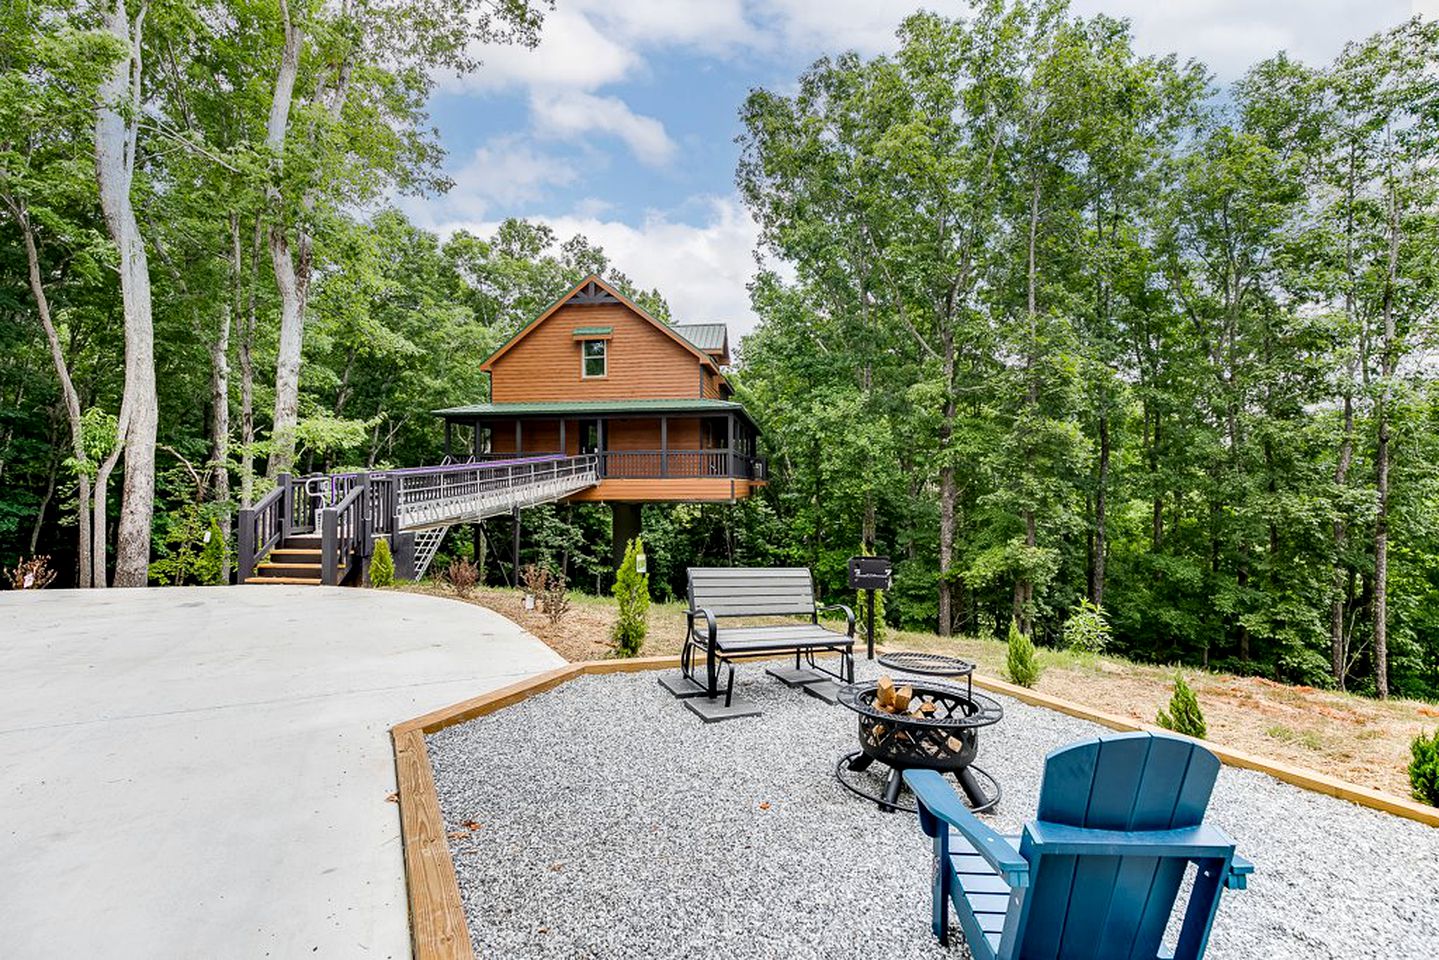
(295, 560)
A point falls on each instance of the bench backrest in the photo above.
(751, 591)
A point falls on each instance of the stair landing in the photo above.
(296, 560)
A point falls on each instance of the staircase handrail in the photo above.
(260, 527)
(342, 534)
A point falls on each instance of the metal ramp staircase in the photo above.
(335, 519)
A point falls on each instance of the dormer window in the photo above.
(593, 361)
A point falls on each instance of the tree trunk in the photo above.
(1336, 606)
(220, 393)
(71, 398)
(948, 493)
(291, 278)
(1381, 460)
(116, 117)
(1096, 586)
(247, 378)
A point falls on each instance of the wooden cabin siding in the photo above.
(713, 388)
(640, 433)
(642, 362)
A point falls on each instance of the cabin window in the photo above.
(593, 362)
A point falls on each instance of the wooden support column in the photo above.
(515, 556)
(564, 448)
(448, 435)
(625, 526)
(519, 436)
(664, 446)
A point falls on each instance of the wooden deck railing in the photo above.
(719, 463)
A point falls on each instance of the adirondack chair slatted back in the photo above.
(751, 591)
(1113, 906)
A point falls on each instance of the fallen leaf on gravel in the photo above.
(393, 798)
(764, 806)
(457, 834)
(557, 867)
(472, 825)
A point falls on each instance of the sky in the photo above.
(621, 124)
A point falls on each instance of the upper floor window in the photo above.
(593, 360)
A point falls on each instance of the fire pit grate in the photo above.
(937, 728)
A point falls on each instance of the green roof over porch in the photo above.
(595, 408)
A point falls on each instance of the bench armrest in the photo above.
(1201, 842)
(848, 615)
(940, 808)
(1239, 870)
(712, 627)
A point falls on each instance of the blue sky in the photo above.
(621, 124)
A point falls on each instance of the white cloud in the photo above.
(568, 115)
(701, 268)
(573, 53)
(505, 171)
(1232, 35)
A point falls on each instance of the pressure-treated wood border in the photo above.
(437, 917)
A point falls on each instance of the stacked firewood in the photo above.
(899, 701)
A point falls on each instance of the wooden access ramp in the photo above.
(321, 529)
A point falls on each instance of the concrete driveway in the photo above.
(203, 772)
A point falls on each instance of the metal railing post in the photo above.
(287, 505)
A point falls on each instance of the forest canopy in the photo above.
(1055, 324)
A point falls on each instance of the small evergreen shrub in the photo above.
(1023, 662)
(382, 564)
(1424, 768)
(1184, 715)
(555, 598)
(1086, 630)
(632, 592)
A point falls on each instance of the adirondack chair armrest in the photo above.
(1239, 870)
(848, 615)
(940, 808)
(1203, 841)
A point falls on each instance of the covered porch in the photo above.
(636, 440)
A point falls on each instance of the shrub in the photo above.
(462, 575)
(32, 574)
(1424, 768)
(382, 564)
(1184, 715)
(1023, 662)
(555, 599)
(1086, 630)
(535, 577)
(632, 591)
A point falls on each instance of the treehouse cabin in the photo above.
(596, 374)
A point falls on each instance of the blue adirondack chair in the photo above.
(1097, 873)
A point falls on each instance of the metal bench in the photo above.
(720, 593)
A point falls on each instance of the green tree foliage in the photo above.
(382, 564)
(1022, 660)
(191, 550)
(632, 596)
(1424, 768)
(1184, 715)
(1087, 629)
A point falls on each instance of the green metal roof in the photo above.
(593, 407)
(593, 331)
(705, 336)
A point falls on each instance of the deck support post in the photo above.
(245, 546)
(664, 446)
(404, 552)
(449, 429)
(519, 436)
(625, 526)
(564, 447)
(515, 561)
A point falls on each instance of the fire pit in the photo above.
(928, 725)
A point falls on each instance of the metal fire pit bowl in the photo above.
(946, 739)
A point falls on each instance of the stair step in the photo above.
(296, 551)
(308, 581)
(286, 565)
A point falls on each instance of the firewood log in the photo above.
(884, 694)
(902, 697)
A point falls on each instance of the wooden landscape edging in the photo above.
(438, 930)
(1300, 777)
(437, 916)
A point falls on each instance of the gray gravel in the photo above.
(612, 823)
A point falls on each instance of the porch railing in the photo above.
(719, 463)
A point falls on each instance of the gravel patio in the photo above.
(602, 819)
